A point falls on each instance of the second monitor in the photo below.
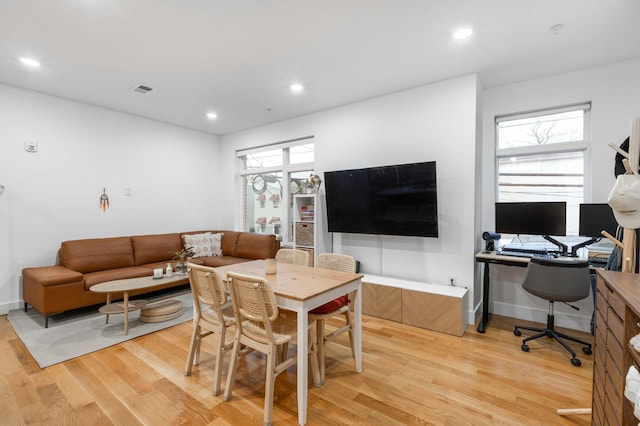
(532, 218)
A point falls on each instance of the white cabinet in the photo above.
(307, 232)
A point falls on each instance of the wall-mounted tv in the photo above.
(387, 200)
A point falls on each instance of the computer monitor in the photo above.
(532, 218)
(595, 218)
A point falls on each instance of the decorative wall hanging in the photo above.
(315, 182)
(104, 200)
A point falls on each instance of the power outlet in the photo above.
(452, 281)
(31, 146)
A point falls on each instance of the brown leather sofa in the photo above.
(84, 263)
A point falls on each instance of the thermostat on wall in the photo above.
(31, 146)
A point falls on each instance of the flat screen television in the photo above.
(387, 200)
(532, 218)
(595, 218)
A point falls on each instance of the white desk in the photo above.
(301, 289)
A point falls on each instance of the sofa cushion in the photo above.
(205, 244)
(256, 246)
(229, 242)
(97, 254)
(51, 275)
(155, 248)
(216, 243)
(329, 307)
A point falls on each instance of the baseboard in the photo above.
(580, 322)
(9, 306)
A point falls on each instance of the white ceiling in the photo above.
(238, 57)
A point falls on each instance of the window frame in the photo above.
(547, 149)
(286, 169)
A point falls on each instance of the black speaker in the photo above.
(490, 238)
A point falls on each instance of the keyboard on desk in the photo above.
(529, 254)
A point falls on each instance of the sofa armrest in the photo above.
(51, 275)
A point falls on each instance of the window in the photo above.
(540, 156)
(271, 175)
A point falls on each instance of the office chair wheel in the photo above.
(525, 347)
(576, 362)
(587, 350)
(517, 332)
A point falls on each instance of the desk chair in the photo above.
(213, 314)
(556, 280)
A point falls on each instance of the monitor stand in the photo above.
(574, 249)
(563, 249)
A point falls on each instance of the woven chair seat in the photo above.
(209, 314)
(258, 333)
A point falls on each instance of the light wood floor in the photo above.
(411, 376)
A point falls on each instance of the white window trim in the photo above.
(286, 169)
(575, 146)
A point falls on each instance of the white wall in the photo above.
(53, 195)
(435, 122)
(614, 92)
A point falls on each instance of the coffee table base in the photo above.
(123, 307)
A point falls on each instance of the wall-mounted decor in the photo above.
(104, 200)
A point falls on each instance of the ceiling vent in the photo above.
(141, 88)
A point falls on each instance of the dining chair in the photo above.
(337, 307)
(301, 257)
(213, 313)
(259, 327)
(294, 256)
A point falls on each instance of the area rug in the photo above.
(79, 332)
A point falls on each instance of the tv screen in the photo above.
(387, 200)
(595, 218)
(532, 218)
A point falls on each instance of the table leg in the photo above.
(106, 321)
(126, 312)
(482, 327)
(303, 366)
(357, 328)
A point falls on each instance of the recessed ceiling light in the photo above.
(296, 87)
(212, 115)
(30, 62)
(462, 33)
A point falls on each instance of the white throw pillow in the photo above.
(202, 244)
(216, 244)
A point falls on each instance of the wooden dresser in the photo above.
(616, 322)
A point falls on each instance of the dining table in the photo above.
(301, 289)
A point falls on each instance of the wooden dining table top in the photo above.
(293, 281)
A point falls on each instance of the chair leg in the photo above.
(536, 336)
(320, 349)
(520, 327)
(193, 347)
(349, 322)
(313, 359)
(573, 339)
(217, 373)
(269, 386)
(563, 343)
(233, 365)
